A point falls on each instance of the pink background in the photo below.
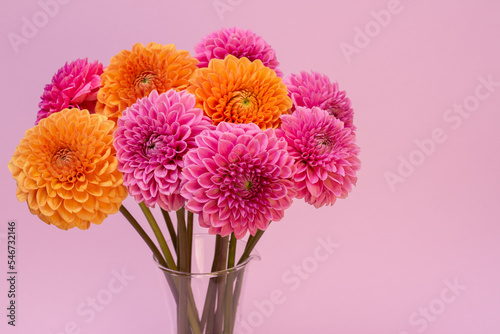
(399, 247)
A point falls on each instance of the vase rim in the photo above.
(253, 256)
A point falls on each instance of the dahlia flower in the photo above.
(152, 137)
(240, 91)
(132, 75)
(239, 43)
(75, 85)
(312, 89)
(325, 154)
(238, 179)
(66, 169)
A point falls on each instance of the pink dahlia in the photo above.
(312, 89)
(151, 139)
(238, 179)
(75, 85)
(239, 43)
(325, 154)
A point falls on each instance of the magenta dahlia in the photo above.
(151, 139)
(238, 179)
(75, 85)
(325, 154)
(312, 89)
(239, 43)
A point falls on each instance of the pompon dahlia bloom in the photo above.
(132, 75)
(75, 85)
(312, 89)
(325, 153)
(239, 43)
(240, 91)
(152, 137)
(66, 169)
(238, 179)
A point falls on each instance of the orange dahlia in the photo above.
(132, 75)
(66, 169)
(240, 91)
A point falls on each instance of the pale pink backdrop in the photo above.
(398, 246)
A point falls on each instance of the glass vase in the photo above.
(202, 301)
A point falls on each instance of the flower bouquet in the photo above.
(220, 136)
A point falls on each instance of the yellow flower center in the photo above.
(242, 107)
(66, 165)
(145, 83)
(248, 187)
(63, 158)
(324, 142)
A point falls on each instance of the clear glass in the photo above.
(205, 302)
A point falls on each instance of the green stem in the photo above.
(170, 227)
(143, 235)
(151, 246)
(221, 287)
(207, 316)
(192, 314)
(182, 262)
(252, 241)
(237, 292)
(232, 251)
(229, 311)
(182, 241)
(161, 239)
(190, 237)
